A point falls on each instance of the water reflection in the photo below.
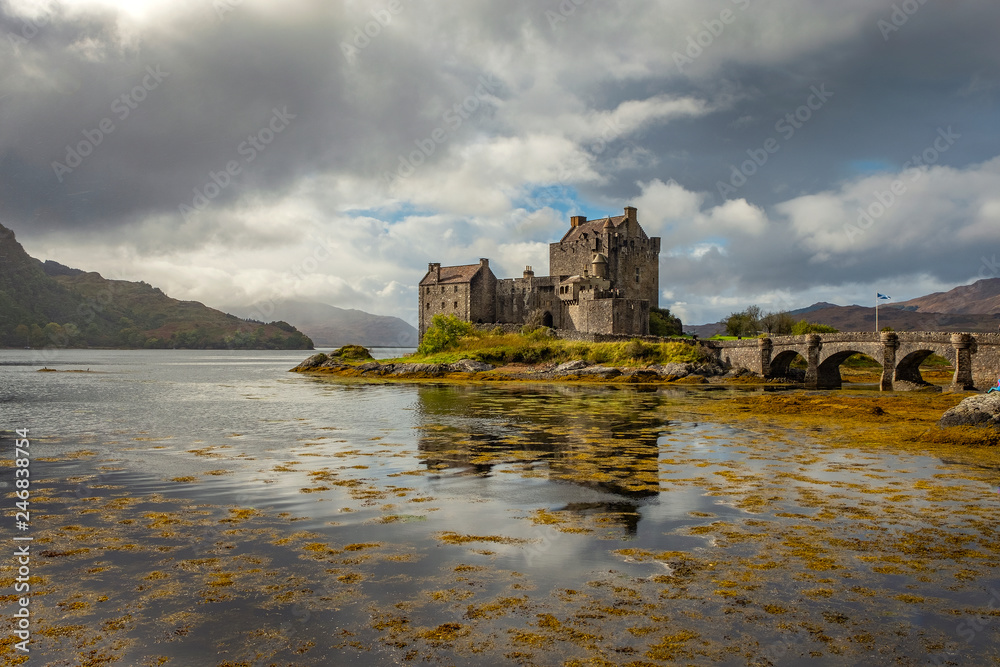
(605, 441)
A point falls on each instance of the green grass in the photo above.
(499, 349)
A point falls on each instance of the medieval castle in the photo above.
(605, 278)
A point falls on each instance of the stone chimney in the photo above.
(632, 214)
(484, 262)
(577, 220)
(529, 272)
(434, 268)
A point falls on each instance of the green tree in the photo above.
(745, 323)
(663, 323)
(54, 336)
(22, 332)
(443, 333)
(778, 324)
(37, 336)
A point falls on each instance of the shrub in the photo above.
(636, 349)
(803, 327)
(444, 333)
(356, 352)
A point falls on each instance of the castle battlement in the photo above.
(603, 278)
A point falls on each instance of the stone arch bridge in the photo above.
(975, 357)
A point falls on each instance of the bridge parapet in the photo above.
(975, 357)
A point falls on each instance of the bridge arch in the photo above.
(976, 358)
(782, 361)
(908, 368)
(828, 370)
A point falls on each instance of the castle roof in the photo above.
(594, 227)
(454, 274)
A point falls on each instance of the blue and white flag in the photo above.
(882, 296)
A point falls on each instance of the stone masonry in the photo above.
(975, 357)
(604, 279)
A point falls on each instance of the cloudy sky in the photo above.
(233, 151)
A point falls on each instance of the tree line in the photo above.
(753, 321)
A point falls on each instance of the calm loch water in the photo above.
(207, 508)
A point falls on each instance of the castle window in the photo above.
(456, 288)
(428, 305)
(456, 305)
(637, 274)
(442, 305)
(442, 291)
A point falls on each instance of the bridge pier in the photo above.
(890, 343)
(815, 345)
(766, 347)
(976, 357)
(965, 346)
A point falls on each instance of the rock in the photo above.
(570, 366)
(469, 366)
(903, 385)
(674, 370)
(312, 362)
(981, 410)
(738, 373)
(642, 375)
(370, 366)
(432, 370)
(601, 371)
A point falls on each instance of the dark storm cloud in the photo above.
(219, 86)
(598, 100)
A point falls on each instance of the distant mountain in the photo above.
(972, 308)
(862, 318)
(48, 304)
(819, 305)
(705, 330)
(982, 296)
(329, 326)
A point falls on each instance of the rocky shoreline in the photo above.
(579, 370)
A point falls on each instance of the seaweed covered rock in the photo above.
(313, 362)
(982, 410)
(469, 366)
(597, 371)
(570, 367)
(352, 353)
(418, 370)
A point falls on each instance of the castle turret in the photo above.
(599, 266)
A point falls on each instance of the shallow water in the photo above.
(204, 508)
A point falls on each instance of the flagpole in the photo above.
(876, 312)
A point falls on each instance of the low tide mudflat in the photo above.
(222, 512)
